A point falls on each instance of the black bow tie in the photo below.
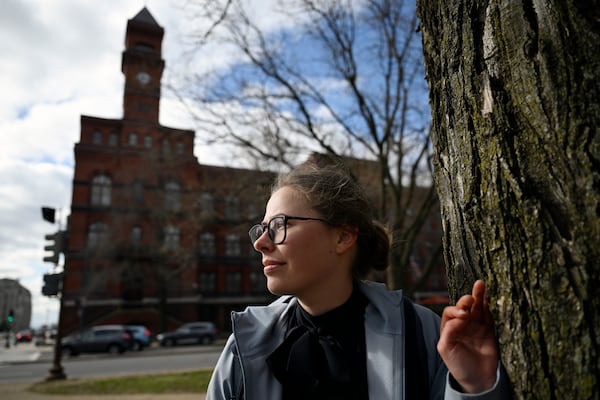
(308, 359)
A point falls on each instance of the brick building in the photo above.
(154, 237)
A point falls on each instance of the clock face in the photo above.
(143, 78)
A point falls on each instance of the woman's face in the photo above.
(307, 263)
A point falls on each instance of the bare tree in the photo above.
(516, 113)
(338, 77)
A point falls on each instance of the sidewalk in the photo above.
(18, 391)
(23, 352)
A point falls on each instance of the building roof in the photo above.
(145, 17)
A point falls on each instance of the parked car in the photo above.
(192, 332)
(142, 337)
(114, 339)
(24, 336)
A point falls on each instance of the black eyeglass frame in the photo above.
(272, 233)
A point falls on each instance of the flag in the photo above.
(48, 214)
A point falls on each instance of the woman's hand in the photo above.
(468, 342)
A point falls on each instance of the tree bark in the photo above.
(515, 96)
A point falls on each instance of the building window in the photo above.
(101, 187)
(138, 192)
(133, 139)
(171, 238)
(232, 245)
(97, 235)
(148, 142)
(166, 147)
(258, 282)
(136, 236)
(207, 244)
(97, 137)
(208, 282)
(113, 139)
(232, 208)
(172, 196)
(179, 148)
(233, 282)
(207, 203)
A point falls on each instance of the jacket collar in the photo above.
(261, 329)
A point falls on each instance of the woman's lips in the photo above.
(271, 266)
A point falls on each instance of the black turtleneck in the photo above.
(324, 357)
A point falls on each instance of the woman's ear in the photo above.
(346, 238)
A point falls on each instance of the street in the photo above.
(28, 363)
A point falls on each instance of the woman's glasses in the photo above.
(276, 228)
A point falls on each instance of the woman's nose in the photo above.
(263, 242)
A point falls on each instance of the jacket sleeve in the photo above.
(500, 390)
(226, 382)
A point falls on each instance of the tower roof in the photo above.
(145, 17)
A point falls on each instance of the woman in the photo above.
(331, 335)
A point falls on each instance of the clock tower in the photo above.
(142, 65)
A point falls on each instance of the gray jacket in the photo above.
(258, 331)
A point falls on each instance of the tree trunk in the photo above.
(515, 96)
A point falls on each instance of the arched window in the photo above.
(101, 187)
(233, 282)
(136, 236)
(172, 196)
(258, 282)
(97, 235)
(207, 204)
(171, 238)
(97, 137)
(208, 282)
(113, 139)
(232, 208)
(166, 148)
(253, 211)
(232, 245)
(133, 139)
(148, 142)
(206, 244)
(138, 192)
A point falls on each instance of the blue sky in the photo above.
(62, 59)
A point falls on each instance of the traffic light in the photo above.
(11, 316)
(56, 246)
(52, 284)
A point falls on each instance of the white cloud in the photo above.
(61, 59)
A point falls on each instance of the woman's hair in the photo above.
(333, 191)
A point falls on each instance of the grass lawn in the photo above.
(177, 382)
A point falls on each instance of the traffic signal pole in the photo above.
(52, 287)
(56, 372)
(9, 323)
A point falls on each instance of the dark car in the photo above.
(192, 332)
(113, 339)
(142, 337)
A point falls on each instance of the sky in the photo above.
(62, 59)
